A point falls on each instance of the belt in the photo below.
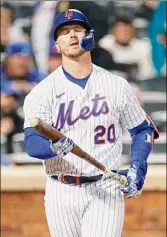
(68, 179)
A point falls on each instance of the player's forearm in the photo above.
(141, 147)
(37, 145)
(142, 142)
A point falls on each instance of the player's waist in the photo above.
(70, 179)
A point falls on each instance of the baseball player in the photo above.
(91, 107)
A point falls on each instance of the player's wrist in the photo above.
(139, 167)
(137, 176)
(62, 147)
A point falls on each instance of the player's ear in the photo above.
(57, 47)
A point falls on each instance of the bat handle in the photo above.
(120, 178)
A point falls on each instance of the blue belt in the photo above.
(68, 179)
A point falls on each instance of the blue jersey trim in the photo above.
(145, 125)
(80, 82)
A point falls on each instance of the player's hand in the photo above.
(62, 147)
(135, 177)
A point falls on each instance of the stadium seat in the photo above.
(155, 84)
(154, 101)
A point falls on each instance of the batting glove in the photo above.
(62, 147)
(135, 177)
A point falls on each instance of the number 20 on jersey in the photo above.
(103, 134)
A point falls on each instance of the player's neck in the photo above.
(78, 68)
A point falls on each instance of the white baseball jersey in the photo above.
(94, 118)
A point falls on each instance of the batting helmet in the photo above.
(74, 16)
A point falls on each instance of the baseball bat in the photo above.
(54, 135)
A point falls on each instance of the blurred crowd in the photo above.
(28, 55)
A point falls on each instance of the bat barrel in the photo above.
(50, 132)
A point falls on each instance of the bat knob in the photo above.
(34, 122)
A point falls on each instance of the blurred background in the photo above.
(130, 41)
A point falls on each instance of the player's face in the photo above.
(68, 40)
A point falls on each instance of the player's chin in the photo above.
(75, 53)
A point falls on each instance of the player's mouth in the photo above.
(74, 43)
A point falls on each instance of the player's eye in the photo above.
(78, 29)
(64, 31)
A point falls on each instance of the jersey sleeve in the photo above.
(37, 104)
(132, 113)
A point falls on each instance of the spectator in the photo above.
(7, 18)
(146, 9)
(157, 34)
(18, 76)
(9, 107)
(44, 13)
(125, 48)
(9, 33)
(54, 60)
(155, 13)
(11, 121)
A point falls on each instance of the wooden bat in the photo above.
(54, 135)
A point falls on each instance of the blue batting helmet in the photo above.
(74, 16)
(70, 16)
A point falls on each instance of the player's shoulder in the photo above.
(45, 86)
(38, 88)
(39, 91)
(107, 75)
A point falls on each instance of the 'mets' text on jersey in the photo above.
(98, 105)
(92, 117)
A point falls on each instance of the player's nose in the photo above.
(72, 33)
